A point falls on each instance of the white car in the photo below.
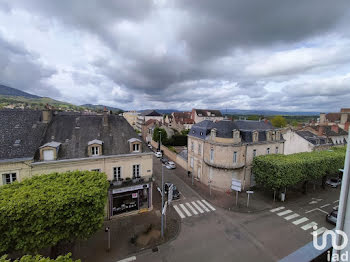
(170, 165)
(158, 154)
(150, 146)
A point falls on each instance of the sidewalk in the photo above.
(124, 235)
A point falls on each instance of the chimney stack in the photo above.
(335, 128)
(105, 117)
(266, 121)
(46, 114)
(320, 130)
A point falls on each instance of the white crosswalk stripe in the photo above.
(291, 216)
(196, 206)
(276, 209)
(301, 220)
(308, 226)
(177, 209)
(203, 206)
(188, 213)
(284, 212)
(318, 231)
(192, 209)
(210, 206)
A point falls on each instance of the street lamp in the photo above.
(162, 215)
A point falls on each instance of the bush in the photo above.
(48, 209)
(278, 171)
(177, 140)
(38, 258)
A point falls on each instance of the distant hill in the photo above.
(101, 107)
(9, 91)
(161, 111)
(266, 112)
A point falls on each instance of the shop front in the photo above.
(131, 198)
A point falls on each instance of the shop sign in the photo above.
(131, 188)
(134, 195)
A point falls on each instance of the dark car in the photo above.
(332, 217)
(176, 193)
(164, 160)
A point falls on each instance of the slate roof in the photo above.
(150, 113)
(327, 131)
(51, 144)
(224, 129)
(333, 117)
(312, 138)
(23, 125)
(74, 132)
(204, 112)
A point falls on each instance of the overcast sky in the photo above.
(291, 55)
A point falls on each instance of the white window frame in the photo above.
(95, 150)
(136, 147)
(117, 173)
(192, 162)
(136, 171)
(235, 157)
(211, 154)
(12, 177)
(46, 151)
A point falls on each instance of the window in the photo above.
(199, 149)
(96, 170)
(117, 173)
(136, 147)
(255, 136)
(94, 151)
(211, 154)
(48, 155)
(191, 161)
(135, 171)
(254, 153)
(268, 150)
(234, 157)
(192, 146)
(9, 178)
(276, 151)
(201, 133)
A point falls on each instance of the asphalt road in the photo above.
(221, 235)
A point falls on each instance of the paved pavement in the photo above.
(216, 234)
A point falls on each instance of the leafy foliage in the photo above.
(279, 121)
(156, 135)
(177, 140)
(47, 209)
(38, 258)
(277, 171)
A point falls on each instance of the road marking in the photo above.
(324, 205)
(182, 195)
(276, 209)
(318, 231)
(336, 201)
(177, 209)
(128, 259)
(291, 217)
(210, 206)
(188, 213)
(284, 212)
(196, 206)
(203, 206)
(299, 221)
(316, 209)
(192, 209)
(308, 226)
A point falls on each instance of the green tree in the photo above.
(279, 121)
(156, 135)
(38, 258)
(185, 132)
(47, 210)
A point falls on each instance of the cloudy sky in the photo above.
(291, 55)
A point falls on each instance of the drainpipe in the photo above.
(343, 219)
(245, 164)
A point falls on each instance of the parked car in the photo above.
(158, 154)
(164, 160)
(332, 217)
(334, 182)
(170, 165)
(176, 193)
(150, 146)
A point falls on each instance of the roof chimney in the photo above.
(335, 128)
(46, 115)
(266, 121)
(105, 117)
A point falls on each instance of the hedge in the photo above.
(46, 210)
(38, 258)
(277, 171)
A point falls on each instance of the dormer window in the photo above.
(278, 135)
(268, 135)
(255, 136)
(95, 148)
(135, 145)
(49, 151)
(235, 133)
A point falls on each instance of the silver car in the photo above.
(333, 182)
(332, 217)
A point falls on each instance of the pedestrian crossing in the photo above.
(295, 219)
(193, 208)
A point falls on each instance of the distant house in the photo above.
(131, 117)
(148, 129)
(199, 115)
(304, 141)
(35, 143)
(143, 117)
(342, 119)
(337, 135)
(219, 152)
(179, 120)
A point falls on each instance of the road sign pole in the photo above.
(210, 187)
(162, 217)
(192, 178)
(248, 200)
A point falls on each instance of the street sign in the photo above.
(236, 185)
(170, 193)
(164, 208)
(250, 192)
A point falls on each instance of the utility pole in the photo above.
(162, 217)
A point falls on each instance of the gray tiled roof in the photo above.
(204, 112)
(75, 132)
(150, 113)
(312, 138)
(24, 126)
